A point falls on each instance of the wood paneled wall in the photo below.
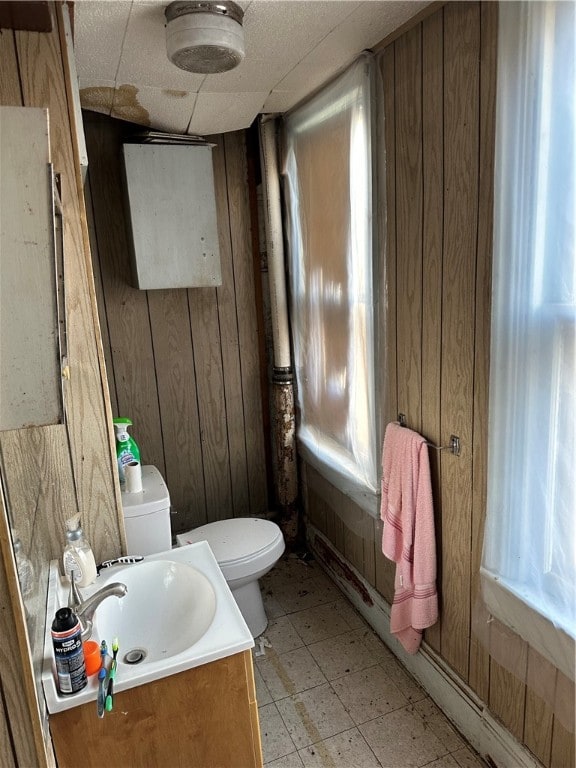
(439, 99)
(48, 473)
(184, 364)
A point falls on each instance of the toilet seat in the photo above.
(241, 545)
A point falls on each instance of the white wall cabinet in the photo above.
(172, 212)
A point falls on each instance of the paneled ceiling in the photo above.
(292, 48)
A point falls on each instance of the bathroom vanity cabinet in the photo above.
(202, 718)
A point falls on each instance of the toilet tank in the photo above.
(147, 515)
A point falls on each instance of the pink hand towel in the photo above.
(409, 539)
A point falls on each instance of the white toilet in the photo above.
(245, 547)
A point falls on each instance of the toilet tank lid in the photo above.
(235, 538)
(153, 497)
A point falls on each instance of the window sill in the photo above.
(366, 498)
(541, 634)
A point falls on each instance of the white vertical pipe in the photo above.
(284, 417)
(275, 244)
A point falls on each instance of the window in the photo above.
(328, 190)
(529, 561)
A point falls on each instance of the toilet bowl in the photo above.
(245, 548)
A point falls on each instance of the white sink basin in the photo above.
(178, 613)
(168, 607)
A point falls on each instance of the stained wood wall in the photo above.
(439, 94)
(184, 365)
(48, 473)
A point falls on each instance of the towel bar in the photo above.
(453, 446)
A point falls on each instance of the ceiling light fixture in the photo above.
(205, 37)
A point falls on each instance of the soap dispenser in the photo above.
(78, 556)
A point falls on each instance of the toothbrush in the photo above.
(101, 691)
(103, 653)
(111, 676)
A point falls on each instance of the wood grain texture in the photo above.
(461, 119)
(40, 492)
(538, 714)
(19, 702)
(479, 676)
(212, 401)
(432, 234)
(7, 757)
(231, 348)
(192, 384)
(247, 326)
(176, 380)
(10, 93)
(408, 123)
(43, 85)
(103, 320)
(126, 308)
(388, 131)
(508, 694)
(563, 751)
(383, 568)
(202, 717)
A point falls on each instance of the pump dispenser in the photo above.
(127, 452)
(78, 556)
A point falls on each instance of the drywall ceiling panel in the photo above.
(304, 79)
(96, 95)
(290, 30)
(370, 23)
(279, 101)
(144, 60)
(168, 111)
(98, 37)
(249, 76)
(227, 111)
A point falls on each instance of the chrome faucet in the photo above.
(84, 609)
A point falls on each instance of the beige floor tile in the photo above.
(325, 621)
(276, 741)
(289, 673)
(368, 694)
(466, 758)
(299, 595)
(345, 750)
(271, 605)
(439, 724)
(293, 567)
(403, 680)
(288, 761)
(282, 635)
(347, 653)
(262, 692)
(314, 715)
(401, 738)
(447, 761)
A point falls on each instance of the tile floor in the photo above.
(331, 695)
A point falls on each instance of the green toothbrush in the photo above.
(111, 676)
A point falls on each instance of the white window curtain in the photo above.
(328, 192)
(529, 559)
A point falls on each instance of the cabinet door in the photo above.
(30, 367)
(203, 718)
(172, 207)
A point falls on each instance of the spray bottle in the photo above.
(127, 452)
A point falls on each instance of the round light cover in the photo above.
(204, 37)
